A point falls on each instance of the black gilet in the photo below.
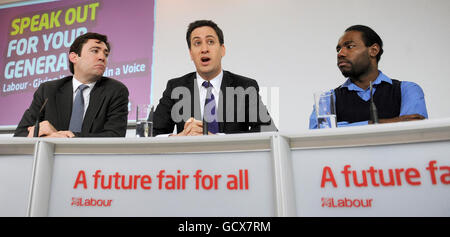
(351, 108)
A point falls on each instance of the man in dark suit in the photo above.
(222, 101)
(83, 105)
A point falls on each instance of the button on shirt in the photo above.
(86, 92)
(413, 99)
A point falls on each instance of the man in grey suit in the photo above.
(224, 101)
(83, 105)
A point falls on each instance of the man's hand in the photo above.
(192, 127)
(46, 129)
(63, 134)
(403, 118)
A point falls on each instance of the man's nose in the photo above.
(204, 48)
(341, 53)
(102, 56)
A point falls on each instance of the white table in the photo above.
(266, 174)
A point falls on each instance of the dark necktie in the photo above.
(209, 112)
(76, 120)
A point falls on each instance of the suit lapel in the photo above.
(195, 97)
(64, 102)
(221, 114)
(96, 99)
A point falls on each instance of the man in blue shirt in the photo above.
(358, 53)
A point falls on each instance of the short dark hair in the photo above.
(369, 37)
(196, 24)
(78, 43)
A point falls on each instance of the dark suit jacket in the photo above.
(239, 110)
(106, 115)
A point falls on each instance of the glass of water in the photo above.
(144, 123)
(325, 107)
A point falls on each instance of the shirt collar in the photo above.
(216, 81)
(76, 83)
(353, 87)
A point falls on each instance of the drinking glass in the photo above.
(144, 123)
(325, 107)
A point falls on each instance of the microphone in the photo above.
(373, 108)
(205, 124)
(205, 127)
(137, 114)
(151, 114)
(36, 124)
(150, 121)
(333, 110)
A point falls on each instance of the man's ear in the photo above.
(73, 57)
(190, 54)
(223, 50)
(374, 50)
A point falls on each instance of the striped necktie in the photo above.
(209, 112)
